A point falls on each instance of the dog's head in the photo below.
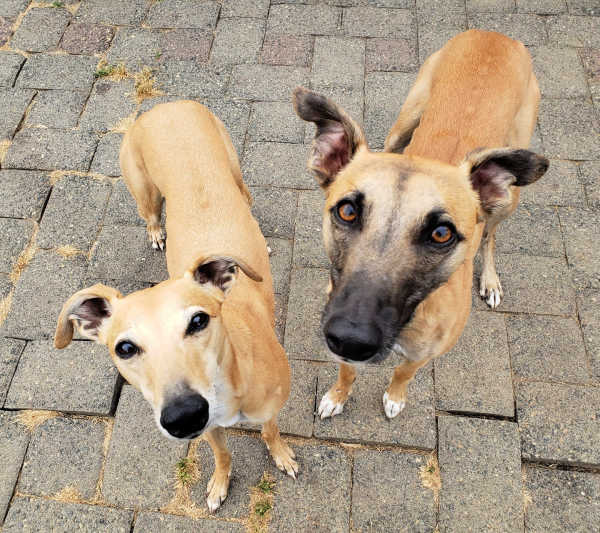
(396, 227)
(169, 341)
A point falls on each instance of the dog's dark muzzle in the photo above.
(185, 417)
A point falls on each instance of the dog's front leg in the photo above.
(394, 399)
(216, 490)
(282, 454)
(333, 401)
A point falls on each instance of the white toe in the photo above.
(328, 407)
(392, 408)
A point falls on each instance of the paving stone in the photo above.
(140, 465)
(559, 423)
(109, 104)
(137, 261)
(265, 82)
(11, 8)
(363, 419)
(559, 72)
(287, 50)
(436, 28)
(80, 378)
(570, 129)
(191, 79)
(532, 230)
(309, 250)
(531, 285)
(304, 19)
(384, 94)
(561, 501)
(475, 376)
(136, 47)
(10, 352)
(13, 102)
(10, 65)
(113, 12)
(590, 58)
(303, 336)
(186, 44)
(15, 236)
(235, 115)
(63, 452)
(29, 515)
(13, 445)
(537, 355)
(168, 523)
(574, 31)
(183, 14)
(106, 158)
(275, 122)
(65, 72)
(529, 29)
(588, 305)
(5, 286)
(74, 212)
(483, 6)
(584, 259)
(589, 172)
(583, 7)
(237, 41)
(85, 38)
(388, 495)
(122, 210)
(280, 312)
(245, 8)
(304, 505)
(392, 55)
(297, 415)
(338, 62)
(56, 109)
(275, 210)
(559, 186)
(378, 22)
(480, 468)
(542, 7)
(280, 260)
(48, 281)
(41, 29)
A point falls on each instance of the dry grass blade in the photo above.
(69, 494)
(261, 505)
(24, 258)
(31, 419)
(144, 85)
(430, 476)
(67, 251)
(5, 304)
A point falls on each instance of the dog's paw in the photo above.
(331, 404)
(216, 490)
(392, 408)
(491, 292)
(284, 457)
(157, 238)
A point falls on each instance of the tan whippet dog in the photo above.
(402, 227)
(201, 346)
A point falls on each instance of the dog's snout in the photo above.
(185, 416)
(351, 341)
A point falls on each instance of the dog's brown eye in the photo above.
(441, 234)
(126, 349)
(347, 212)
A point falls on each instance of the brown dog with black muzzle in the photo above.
(402, 227)
(201, 346)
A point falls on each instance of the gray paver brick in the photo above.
(41, 29)
(308, 238)
(574, 31)
(109, 103)
(85, 38)
(135, 47)
(43, 71)
(237, 41)
(394, 55)
(106, 158)
(300, 504)
(122, 210)
(484, 6)
(29, 515)
(13, 445)
(183, 14)
(387, 493)
(47, 282)
(338, 62)
(590, 58)
(56, 109)
(191, 79)
(588, 305)
(583, 7)
(436, 28)
(5, 286)
(275, 210)
(559, 186)
(589, 172)
(542, 7)
(475, 376)
(304, 19)
(13, 102)
(363, 418)
(245, 8)
(235, 115)
(10, 352)
(559, 423)
(74, 212)
(578, 225)
(274, 122)
(11, 8)
(529, 29)
(168, 523)
(561, 501)
(63, 452)
(537, 355)
(10, 64)
(15, 236)
(559, 72)
(378, 22)
(137, 261)
(114, 12)
(287, 50)
(6, 25)
(481, 475)
(280, 260)
(140, 466)
(80, 378)
(265, 82)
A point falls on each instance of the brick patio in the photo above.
(511, 415)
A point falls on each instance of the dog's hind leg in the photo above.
(216, 490)
(334, 399)
(282, 454)
(394, 398)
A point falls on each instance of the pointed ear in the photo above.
(337, 138)
(221, 272)
(493, 171)
(87, 309)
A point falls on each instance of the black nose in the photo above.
(185, 416)
(351, 341)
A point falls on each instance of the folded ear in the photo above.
(337, 138)
(221, 272)
(87, 309)
(493, 171)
